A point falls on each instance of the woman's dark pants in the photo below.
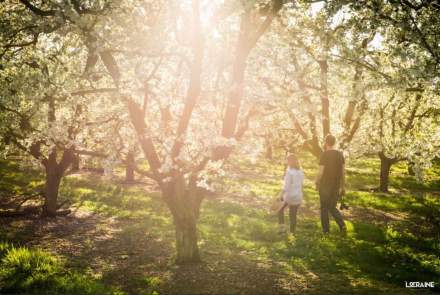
(293, 210)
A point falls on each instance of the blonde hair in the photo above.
(293, 162)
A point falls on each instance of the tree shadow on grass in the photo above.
(12, 176)
(335, 265)
(368, 261)
(113, 251)
(373, 258)
(17, 184)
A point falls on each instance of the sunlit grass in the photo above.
(33, 271)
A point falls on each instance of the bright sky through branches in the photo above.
(340, 16)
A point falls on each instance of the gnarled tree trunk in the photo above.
(385, 168)
(54, 174)
(184, 201)
(53, 180)
(186, 241)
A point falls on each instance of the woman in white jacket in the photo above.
(292, 193)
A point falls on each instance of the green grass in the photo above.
(376, 258)
(15, 180)
(33, 271)
(392, 238)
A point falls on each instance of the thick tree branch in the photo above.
(136, 116)
(244, 46)
(410, 122)
(194, 84)
(37, 10)
(94, 91)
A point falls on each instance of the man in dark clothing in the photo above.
(330, 183)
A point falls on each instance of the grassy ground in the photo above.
(119, 239)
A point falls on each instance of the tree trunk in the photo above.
(53, 180)
(184, 201)
(235, 96)
(186, 241)
(411, 170)
(129, 169)
(54, 174)
(75, 163)
(385, 168)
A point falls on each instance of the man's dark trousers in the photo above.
(328, 206)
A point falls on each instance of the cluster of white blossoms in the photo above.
(167, 165)
(252, 149)
(203, 183)
(207, 177)
(220, 141)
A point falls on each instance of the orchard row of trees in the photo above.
(184, 84)
(366, 71)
